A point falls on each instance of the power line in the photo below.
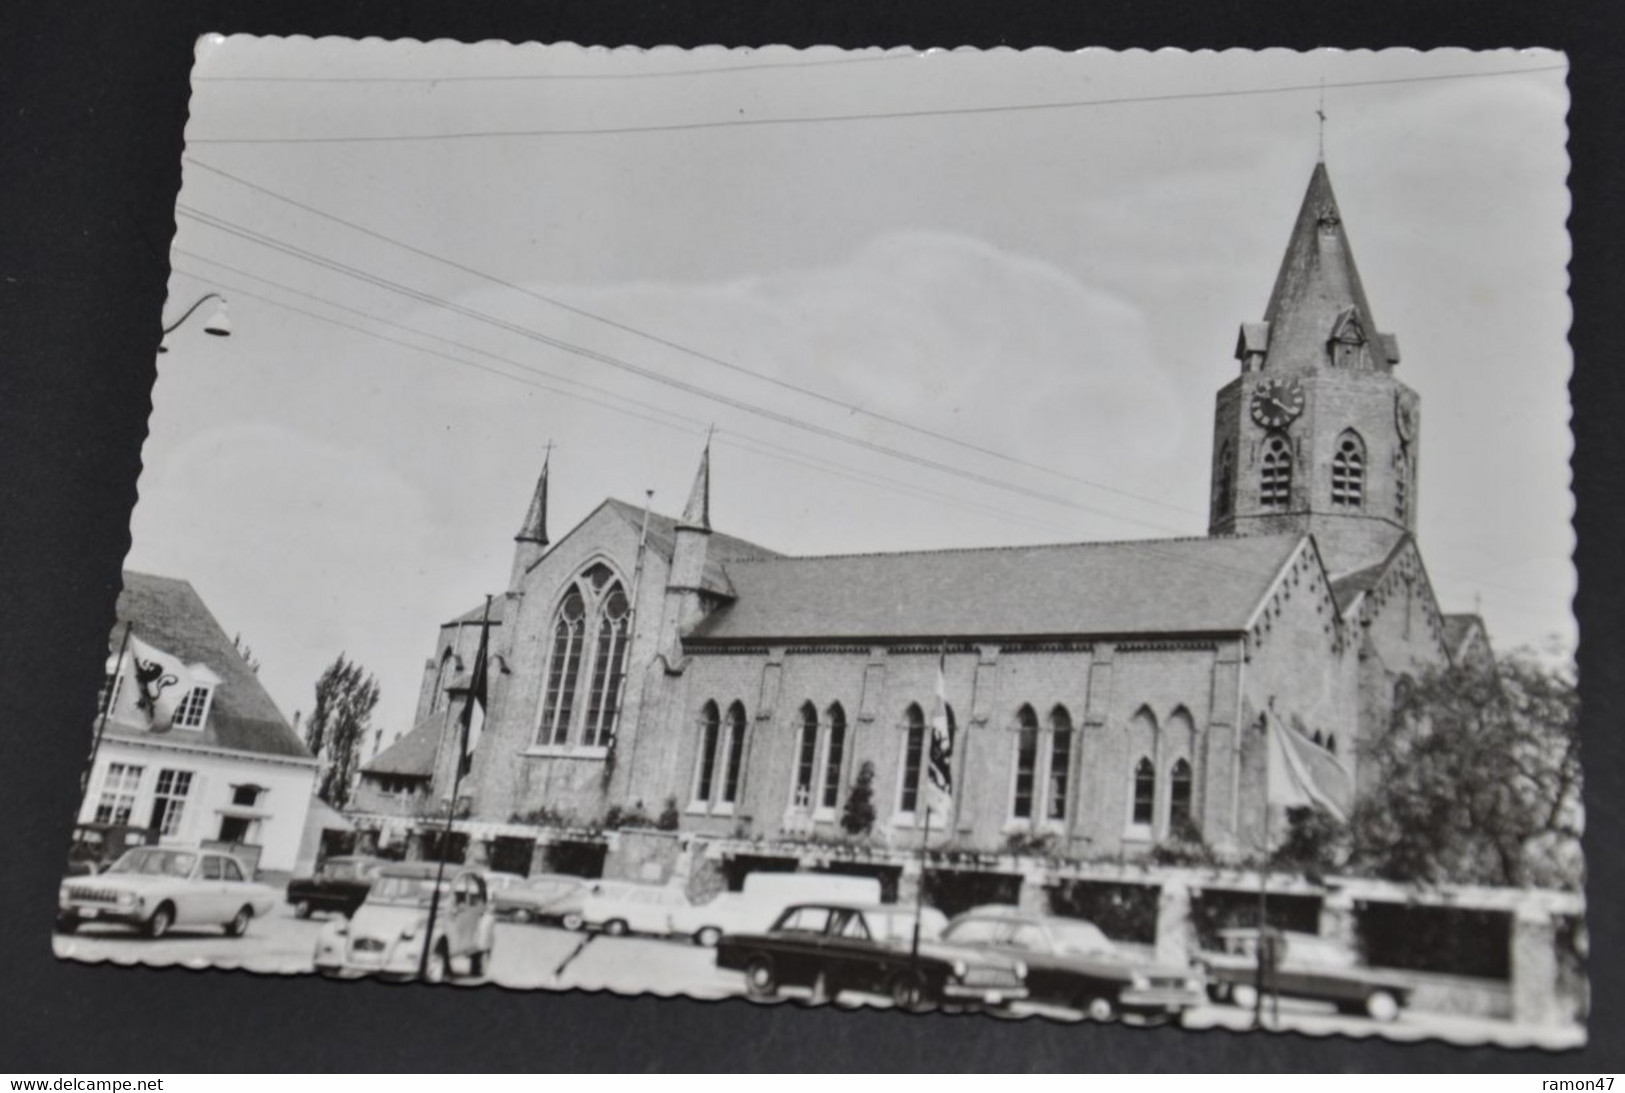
(894, 115)
(688, 350)
(552, 76)
(733, 438)
(648, 373)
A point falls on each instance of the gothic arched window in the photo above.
(1348, 472)
(1275, 477)
(908, 797)
(1145, 792)
(734, 754)
(1026, 762)
(563, 669)
(594, 617)
(806, 756)
(1224, 483)
(834, 754)
(1179, 795)
(1058, 778)
(710, 729)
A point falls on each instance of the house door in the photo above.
(234, 829)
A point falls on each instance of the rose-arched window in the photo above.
(1275, 476)
(1348, 472)
(591, 631)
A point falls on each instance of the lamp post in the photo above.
(219, 323)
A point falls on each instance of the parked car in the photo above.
(388, 933)
(155, 888)
(1303, 965)
(496, 881)
(1071, 963)
(624, 907)
(763, 898)
(340, 884)
(546, 897)
(96, 846)
(838, 947)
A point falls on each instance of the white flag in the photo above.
(155, 683)
(939, 767)
(1291, 783)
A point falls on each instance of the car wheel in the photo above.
(67, 924)
(1098, 1007)
(1382, 1006)
(908, 992)
(160, 922)
(1218, 990)
(707, 937)
(571, 922)
(238, 926)
(303, 909)
(761, 980)
(1244, 995)
(523, 917)
(615, 928)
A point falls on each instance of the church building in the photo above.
(1106, 698)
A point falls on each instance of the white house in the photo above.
(189, 743)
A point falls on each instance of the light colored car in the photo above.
(624, 907)
(546, 897)
(389, 933)
(763, 898)
(155, 888)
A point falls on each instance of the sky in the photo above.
(927, 300)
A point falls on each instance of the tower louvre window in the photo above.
(1225, 483)
(1402, 482)
(1348, 473)
(1275, 478)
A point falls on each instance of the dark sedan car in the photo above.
(1071, 963)
(836, 947)
(1301, 965)
(341, 884)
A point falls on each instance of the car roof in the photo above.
(418, 870)
(849, 905)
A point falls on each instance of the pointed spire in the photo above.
(697, 513)
(1318, 283)
(535, 526)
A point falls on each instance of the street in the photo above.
(540, 957)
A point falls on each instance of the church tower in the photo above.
(1316, 434)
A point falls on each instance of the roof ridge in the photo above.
(1149, 542)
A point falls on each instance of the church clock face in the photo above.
(1277, 403)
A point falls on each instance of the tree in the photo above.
(1476, 780)
(345, 697)
(858, 817)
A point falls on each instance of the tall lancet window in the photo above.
(1275, 478)
(1348, 472)
(1402, 486)
(581, 702)
(1224, 483)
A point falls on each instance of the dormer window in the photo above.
(194, 708)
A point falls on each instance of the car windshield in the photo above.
(547, 889)
(410, 890)
(157, 863)
(1081, 939)
(344, 870)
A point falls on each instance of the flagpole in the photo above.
(1263, 882)
(456, 784)
(101, 722)
(919, 894)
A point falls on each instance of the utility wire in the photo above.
(893, 115)
(651, 374)
(720, 70)
(688, 350)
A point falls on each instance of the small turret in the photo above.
(531, 542)
(685, 603)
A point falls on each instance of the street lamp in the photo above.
(219, 323)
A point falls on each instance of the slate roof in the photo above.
(1317, 282)
(170, 615)
(475, 614)
(1350, 585)
(1154, 586)
(413, 754)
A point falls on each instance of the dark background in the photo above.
(93, 101)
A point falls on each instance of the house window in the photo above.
(118, 793)
(1275, 480)
(710, 729)
(1060, 764)
(247, 795)
(169, 800)
(112, 684)
(189, 714)
(1179, 795)
(1145, 792)
(908, 799)
(594, 617)
(806, 757)
(1348, 473)
(735, 753)
(1026, 763)
(834, 753)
